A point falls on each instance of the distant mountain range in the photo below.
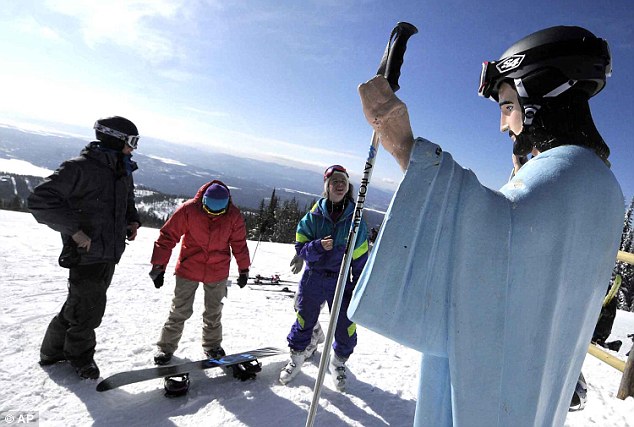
(181, 170)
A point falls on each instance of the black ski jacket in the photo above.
(93, 193)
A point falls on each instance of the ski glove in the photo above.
(297, 263)
(157, 274)
(242, 278)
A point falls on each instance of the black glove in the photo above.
(157, 274)
(242, 278)
(297, 264)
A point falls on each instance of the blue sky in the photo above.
(278, 80)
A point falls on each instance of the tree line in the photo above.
(276, 220)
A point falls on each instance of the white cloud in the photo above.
(30, 25)
(207, 112)
(132, 24)
(176, 75)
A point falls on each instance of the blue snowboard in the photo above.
(131, 377)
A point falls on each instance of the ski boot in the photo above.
(216, 352)
(87, 371)
(337, 368)
(579, 397)
(162, 358)
(316, 338)
(293, 367)
(46, 360)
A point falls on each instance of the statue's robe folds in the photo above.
(500, 290)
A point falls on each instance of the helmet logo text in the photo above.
(510, 63)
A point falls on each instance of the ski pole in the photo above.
(390, 68)
(262, 228)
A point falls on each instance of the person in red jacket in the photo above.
(211, 228)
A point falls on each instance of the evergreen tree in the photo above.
(17, 204)
(257, 224)
(626, 292)
(269, 221)
(287, 219)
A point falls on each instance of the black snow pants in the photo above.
(71, 334)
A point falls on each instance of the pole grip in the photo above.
(392, 60)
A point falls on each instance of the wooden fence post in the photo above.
(625, 257)
(627, 382)
(606, 357)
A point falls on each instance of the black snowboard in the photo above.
(131, 377)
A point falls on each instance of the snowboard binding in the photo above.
(246, 370)
(177, 385)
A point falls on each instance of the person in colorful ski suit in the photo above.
(321, 237)
(90, 201)
(212, 228)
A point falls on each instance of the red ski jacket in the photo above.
(208, 241)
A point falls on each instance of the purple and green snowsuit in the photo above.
(319, 280)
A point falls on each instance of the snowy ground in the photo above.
(382, 380)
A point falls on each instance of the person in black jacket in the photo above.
(90, 200)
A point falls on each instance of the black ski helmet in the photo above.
(547, 63)
(554, 72)
(116, 132)
(177, 385)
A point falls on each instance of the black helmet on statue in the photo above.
(547, 63)
(116, 132)
(554, 72)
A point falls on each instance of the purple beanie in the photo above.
(216, 197)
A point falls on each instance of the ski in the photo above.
(284, 290)
(269, 284)
(131, 377)
(271, 280)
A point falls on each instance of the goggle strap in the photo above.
(131, 140)
(210, 212)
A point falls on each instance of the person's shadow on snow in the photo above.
(259, 404)
(120, 407)
(252, 402)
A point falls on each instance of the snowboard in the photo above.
(131, 377)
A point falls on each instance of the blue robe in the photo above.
(500, 291)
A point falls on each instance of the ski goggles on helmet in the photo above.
(131, 141)
(492, 73)
(335, 168)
